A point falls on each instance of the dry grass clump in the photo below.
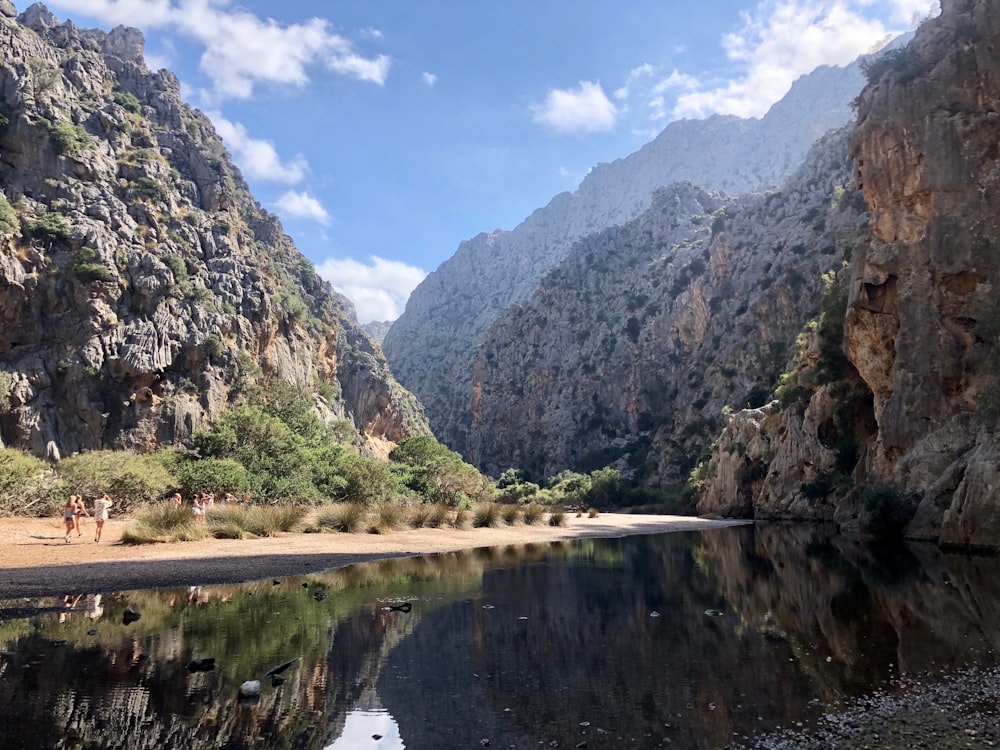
(163, 522)
(486, 515)
(386, 517)
(348, 518)
(420, 515)
(440, 516)
(557, 518)
(264, 520)
(462, 519)
(593, 513)
(510, 514)
(534, 514)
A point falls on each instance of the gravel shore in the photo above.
(962, 711)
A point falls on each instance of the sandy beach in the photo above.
(36, 561)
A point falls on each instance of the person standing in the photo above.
(101, 506)
(81, 510)
(69, 515)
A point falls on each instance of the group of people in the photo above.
(203, 501)
(75, 508)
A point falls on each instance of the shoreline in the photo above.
(35, 561)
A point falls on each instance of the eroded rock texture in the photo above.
(921, 325)
(141, 286)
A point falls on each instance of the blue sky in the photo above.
(385, 132)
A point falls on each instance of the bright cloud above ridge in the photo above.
(378, 289)
(580, 110)
(781, 41)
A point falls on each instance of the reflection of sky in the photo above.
(361, 726)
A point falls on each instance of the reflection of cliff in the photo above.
(873, 612)
(128, 686)
(590, 650)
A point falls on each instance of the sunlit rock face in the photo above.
(637, 342)
(142, 288)
(921, 328)
(432, 346)
(924, 301)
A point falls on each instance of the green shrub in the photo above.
(130, 479)
(215, 475)
(128, 101)
(86, 266)
(147, 187)
(9, 222)
(69, 139)
(49, 227)
(23, 484)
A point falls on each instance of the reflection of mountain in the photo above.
(600, 641)
(590, 650)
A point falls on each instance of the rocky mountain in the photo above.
(921, 328)
(634, 345)
(431, 347)
(142, 288)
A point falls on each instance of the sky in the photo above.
(385, 132)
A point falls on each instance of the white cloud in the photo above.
(782, 41)
(379, 289)
(642, 71)
(257, 158)
(585, 109)
(429, 78)
(302, 206)
(241, 49)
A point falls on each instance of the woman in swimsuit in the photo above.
(81, 510)
(69, 515)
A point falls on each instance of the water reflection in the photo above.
(684, 639)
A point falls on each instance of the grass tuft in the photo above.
(486, 515)
(557, 518)
(348, 518)
(511, 514)
(534, 514)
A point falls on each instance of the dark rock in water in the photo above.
(275, 582)
(376, 737)
(319, 596)
(277, 680)
(714, 613)
(305, 585)
(143, 657)
(201, 665)
(93, 632)
(281, 667)
(129, 616)
(59, 643)
(405, 607)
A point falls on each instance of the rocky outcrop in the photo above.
(635, 345)
(431, 347)
(142, 289)
(921, 320)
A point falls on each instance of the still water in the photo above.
(689, 640)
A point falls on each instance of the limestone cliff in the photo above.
(141, 286)
(921, 321)
(634, 345)
(432, 345)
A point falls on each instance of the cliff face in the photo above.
(431, 347)
(141, 286)
(924, 300)
(921, 324)
(632, 346)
